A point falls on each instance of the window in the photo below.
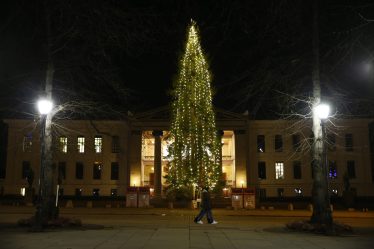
(98, 144)
(297, 170)
(372, 167)
(351, 169)
(64, 144)
(261, 170)
(113, 192)
(79, 170)
(261, 192)
(298, 191)
(278, 143)
(115, 144)
(96, 192)
(23, 191)
(296, 144)
(78, 192)
(333, 170)
(27, 143)
(279, 169)
(97, 168)
(81, 144)
(26, 168)
(331, 142)
(114, 173)
(280, 192)
(62, 170)
(371, 137)
(348, 142)
(260, 143)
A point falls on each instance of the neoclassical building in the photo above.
(105, 157)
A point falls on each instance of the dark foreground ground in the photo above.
(164, 228)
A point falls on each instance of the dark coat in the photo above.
(205, 200)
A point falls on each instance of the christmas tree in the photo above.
(194, 151)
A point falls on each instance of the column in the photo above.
(157, 163)
(241, 151)
(219, 136)
(134, 158)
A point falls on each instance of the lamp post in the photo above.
(323, 112)
(44, 107)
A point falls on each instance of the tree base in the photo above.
(336, 229)
(60, 222)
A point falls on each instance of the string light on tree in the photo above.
(195, 148)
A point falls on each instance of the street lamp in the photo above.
(44, 107)
(322, 111)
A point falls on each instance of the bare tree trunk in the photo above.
(48, 160)
(46, 210)
(320, 196)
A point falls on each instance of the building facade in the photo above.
(104, 157)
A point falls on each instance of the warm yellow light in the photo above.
(135, 180)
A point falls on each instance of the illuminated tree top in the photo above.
(195, 151)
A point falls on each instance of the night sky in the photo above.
(124, 55)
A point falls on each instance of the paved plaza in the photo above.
(163, 228)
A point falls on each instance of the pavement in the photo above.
(174, 228)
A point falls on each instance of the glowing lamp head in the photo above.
(322, 111)
(45, 106)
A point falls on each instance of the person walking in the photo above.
(206, 208)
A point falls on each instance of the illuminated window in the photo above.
(98, 144)
(333, 170)
(298, 191)
(64, 144)
(80, 144)
(27, 143)
(279, 170)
